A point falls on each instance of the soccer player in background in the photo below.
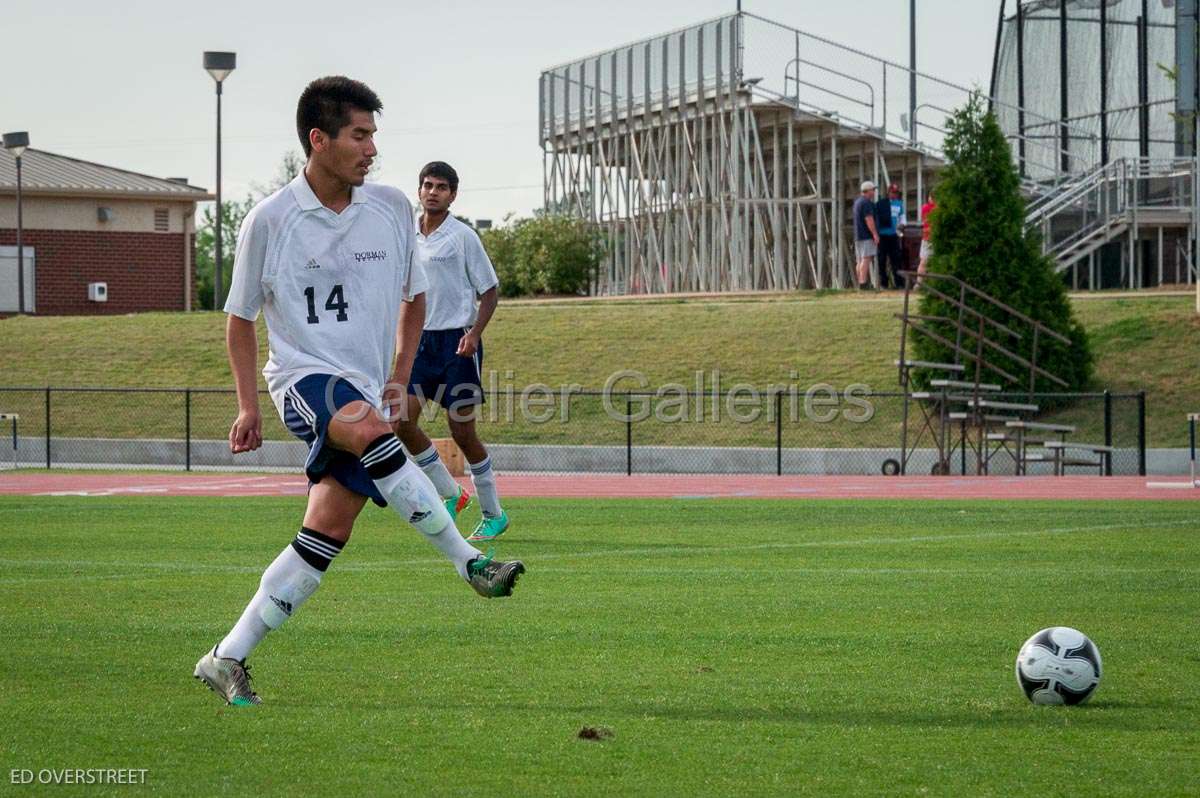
(328, 259)
(459, 304)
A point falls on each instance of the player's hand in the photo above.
(876, 239)
(395, 402)
(468, 345)
(246, 433)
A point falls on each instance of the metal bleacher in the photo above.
(959, 414)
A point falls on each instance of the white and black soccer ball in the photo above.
(1059, 665)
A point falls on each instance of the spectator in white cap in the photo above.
(866, 234)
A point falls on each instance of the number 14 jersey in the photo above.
(330, 285)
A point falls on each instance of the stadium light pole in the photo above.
(16, 143)
(219, 65)
(912, 68)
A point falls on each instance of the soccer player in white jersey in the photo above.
(448, 369)
(328, 260)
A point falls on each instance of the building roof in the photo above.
(51, 174)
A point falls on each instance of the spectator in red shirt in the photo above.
(926, 228)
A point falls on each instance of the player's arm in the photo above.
(241, 342)
(410, 325)
(408, 338)
(482, 276)
(246, 297)
(469, 343)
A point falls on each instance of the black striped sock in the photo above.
(383, 456)
(316, 549)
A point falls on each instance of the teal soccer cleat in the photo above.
(456, 504)
(490, 528)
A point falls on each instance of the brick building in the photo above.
(86, 223)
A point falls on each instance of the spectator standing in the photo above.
(866, 234)
(926, 228)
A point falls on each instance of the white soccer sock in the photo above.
(410, 493)
(484, 480)
(288, 581)
(436, 470)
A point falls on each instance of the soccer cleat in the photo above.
(490, 527)
(456, 504)
(228, 678)
(492, 579)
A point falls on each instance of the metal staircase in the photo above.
(1111, 201)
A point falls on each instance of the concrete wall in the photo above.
(521, 458)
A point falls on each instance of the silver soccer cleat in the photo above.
(492, 579)
(227, 678)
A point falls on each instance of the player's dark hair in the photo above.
(326, 104)
(439, 169)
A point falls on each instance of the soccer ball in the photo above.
(1059, 665)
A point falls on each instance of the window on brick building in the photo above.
(162, 220)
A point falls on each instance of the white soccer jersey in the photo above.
(330, 285)
(458, 270)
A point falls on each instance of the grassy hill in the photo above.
(1141, 342)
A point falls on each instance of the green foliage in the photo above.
(979, 237)
(232, 213)
(544, 255)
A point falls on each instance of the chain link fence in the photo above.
(745, 430)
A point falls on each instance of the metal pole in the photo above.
(1143, 68)
(1141, 405)
(1108, 432)
(47, 427)
(20, 246)
(1064, 97)
(912, 73)
(996, 53)
(187, 429)
(628, 436)
(779, 433)
(1192, 435)
(1021, 87)
(1104, 83)
(217, 259)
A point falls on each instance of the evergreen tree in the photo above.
(979, 236)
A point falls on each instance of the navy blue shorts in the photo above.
(441, 375)
(308, 406)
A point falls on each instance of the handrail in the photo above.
(1082, 134)
(973, 312)
(1085, 182)
(798, 61)
(1037, 325)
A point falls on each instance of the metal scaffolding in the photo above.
(725, 156)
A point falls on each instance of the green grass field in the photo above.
(731, 647)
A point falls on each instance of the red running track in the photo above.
(661, 486)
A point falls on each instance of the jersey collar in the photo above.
(307, 200)
(441, 227)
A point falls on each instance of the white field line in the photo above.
(393, 565)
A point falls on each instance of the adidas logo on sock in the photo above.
(418, 517)
(286, 606)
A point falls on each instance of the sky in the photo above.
(122, 84)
